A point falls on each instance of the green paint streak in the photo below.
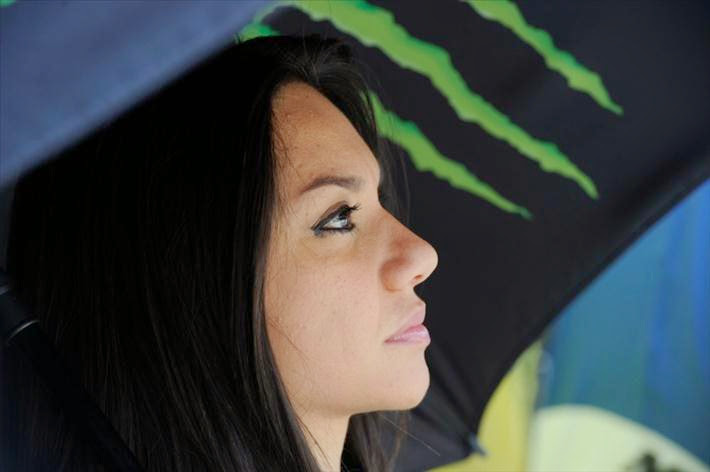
(421, 150)
(578, 77)
(374, 26)
(427, 158)
(254, 29)
(6, 3)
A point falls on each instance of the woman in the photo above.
(222, 269)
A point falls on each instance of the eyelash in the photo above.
(343, 212)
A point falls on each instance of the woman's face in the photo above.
(333, 298)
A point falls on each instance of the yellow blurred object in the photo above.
(506, 420)
(584, 430)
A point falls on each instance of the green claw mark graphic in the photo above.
(420, 149)
(578, 77)
(5, 3)
(426, 157)
(374, 26)
(255, 29)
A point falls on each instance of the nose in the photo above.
(410, 261)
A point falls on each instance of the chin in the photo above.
(410, 389)
(418, 390)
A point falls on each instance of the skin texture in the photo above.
(332, 300)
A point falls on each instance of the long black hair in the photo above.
(141, 250)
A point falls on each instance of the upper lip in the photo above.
(416, 318)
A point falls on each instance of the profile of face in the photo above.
(339, 283)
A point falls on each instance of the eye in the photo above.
(338, 221)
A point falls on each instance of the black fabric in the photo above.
(63, 387)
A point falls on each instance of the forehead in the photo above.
(313, 137)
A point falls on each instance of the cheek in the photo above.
(321, 304)
(323, 315)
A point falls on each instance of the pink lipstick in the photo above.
(412, 331)
(414, 334)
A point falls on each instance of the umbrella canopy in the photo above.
(540, 139)
(69, 66)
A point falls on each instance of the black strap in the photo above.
(19, 329)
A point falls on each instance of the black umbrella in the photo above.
(541, 140)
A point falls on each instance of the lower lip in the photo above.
(414, 335)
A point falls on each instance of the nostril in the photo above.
(425, 260)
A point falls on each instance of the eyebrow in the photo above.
(349, 182)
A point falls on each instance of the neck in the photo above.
(326, 438)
